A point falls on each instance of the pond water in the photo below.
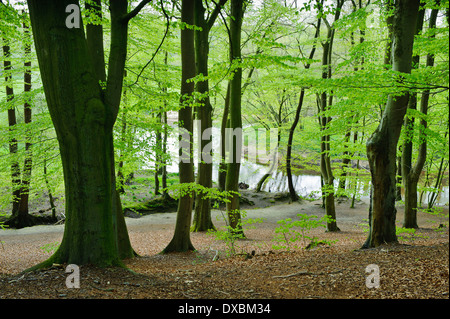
(251, 173)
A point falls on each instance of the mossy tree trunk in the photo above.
(83, 114)
(382, 145)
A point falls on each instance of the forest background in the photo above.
(318, 72)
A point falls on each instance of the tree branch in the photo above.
(215, 13)
(130, 15)
(159, 46)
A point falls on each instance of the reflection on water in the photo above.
(251, 173)
(306, 185)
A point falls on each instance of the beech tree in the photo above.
(292, 192)
(382, 145)
(84, 102)
(411, 172)
(324, 103)
(233, 166)
(181, 238)
(202, 217)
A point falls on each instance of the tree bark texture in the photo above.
(202, 216)
(83, 115)
(12, 121)
(324, 103)
(181, 239)
(382, 145)
(411, 173)
(233, 167)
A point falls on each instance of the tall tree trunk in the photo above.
(123, 137)
(292, 191)
(165, 193)
(83, 115)
(181, 240)
(382, 145)
(411, 174)
(202, 216)
(324, 103)
(12, 121)
(111, 97)
(163, 117)
(222, 175)
(158, 153)
(24, 219)
(233, 167)
(389, 6)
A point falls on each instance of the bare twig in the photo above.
(307, 273)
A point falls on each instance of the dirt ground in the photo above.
(417, 267)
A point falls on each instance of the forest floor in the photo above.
(416, 267)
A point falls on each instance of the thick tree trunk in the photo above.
(181, 240)
(89, 235)
(83, 116)
(382, 145)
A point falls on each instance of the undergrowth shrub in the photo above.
(292, 234)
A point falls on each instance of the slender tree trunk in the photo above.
(382, 145)
(123, 137)
(398, 195)
(202, 216)
(165, 193)
(12, 121)
(24, 219)
(233, 167)
(49, 191)
(158, 153)
(389, 6)
(163, 116)
(345, 163)
(324, 103)
(222, 175)
(181, 239)
(292, 191)
(411, 174)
